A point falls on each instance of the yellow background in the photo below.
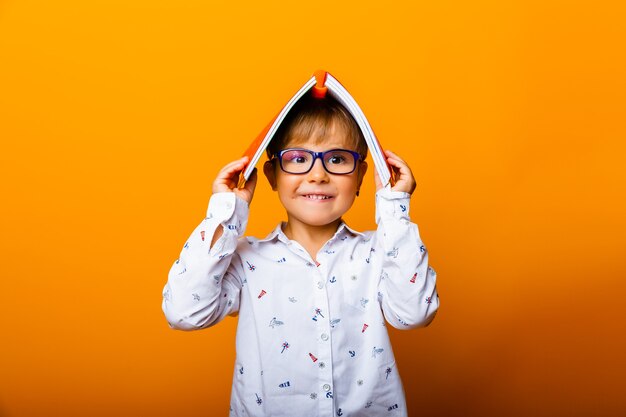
(115, 117)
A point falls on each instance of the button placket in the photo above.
(324, 368)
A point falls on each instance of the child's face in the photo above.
(296, 191)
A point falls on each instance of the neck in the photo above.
(312, 238)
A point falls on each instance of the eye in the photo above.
(339, 158)
(296, 157)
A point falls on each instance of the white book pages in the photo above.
(343, 96)
(279, 119)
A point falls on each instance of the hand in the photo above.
(404, 177)
(228, 178)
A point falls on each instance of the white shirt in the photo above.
(311, 338)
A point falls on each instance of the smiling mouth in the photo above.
(316, 197)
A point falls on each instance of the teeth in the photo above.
(317, 197)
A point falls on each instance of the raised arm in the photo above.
(204, 282)
(408, 284)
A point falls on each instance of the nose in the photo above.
(318, 172)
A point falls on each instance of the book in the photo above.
(320, 84)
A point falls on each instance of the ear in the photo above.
(270, 173)
(361, 174)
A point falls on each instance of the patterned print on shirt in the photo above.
(318, 312)
(284, 384)
(334, 323)
(285, 345)
(412, 280)
(393, 253)
(352, 353)
(196, 296)
(332, 280)
(365, 326)
(339, 412)
(393, 407)
(364, 302)
(428, 300)
(259, 401)
(376, 351)
(250, 266)
(313, 357)
(262, 293)
(387, 371)
(293, 299)
(281, 260)
(275, 322)
(202, 235)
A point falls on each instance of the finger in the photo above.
(250, 185)
(234, 165)
(393, 155)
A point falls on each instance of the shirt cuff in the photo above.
(229, 210)
(392, 204)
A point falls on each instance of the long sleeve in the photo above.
(407, 289)
(204, 283)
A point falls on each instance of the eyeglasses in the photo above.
(334, 161)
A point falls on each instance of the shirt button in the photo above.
(320, 285)
(326, 387)
(324, 337)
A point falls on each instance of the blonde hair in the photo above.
(314, 118)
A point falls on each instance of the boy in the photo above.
(313, 296)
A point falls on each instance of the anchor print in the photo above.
(217, 279)
(352, 353)
(241, 370)
(275, 322)
(293, 299)
(250, 266)
(428, 300)
(422, 248)
(339, 412)
(359, 382)
(412, 280)
(368, 405)
(365, 326)
(387, 371)
(259, 401)
(285, 346)
(333, 280)
(403, 208)
(329, 394)
(196, 296)
(334, 322)
(393, 407)
(364, 302)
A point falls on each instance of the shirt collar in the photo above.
(278, 233)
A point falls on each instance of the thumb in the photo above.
(250, 185)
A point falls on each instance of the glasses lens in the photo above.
(296, 161)
(339, 162)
